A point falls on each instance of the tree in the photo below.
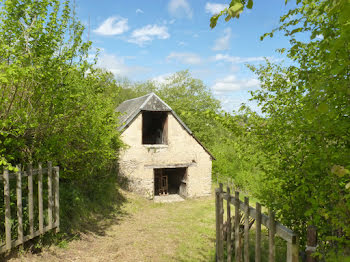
(54, 102)
(305, 129)
(50, 92)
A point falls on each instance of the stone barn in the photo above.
(162, 156)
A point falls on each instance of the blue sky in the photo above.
(152, 39)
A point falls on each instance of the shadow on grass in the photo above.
(86, 207)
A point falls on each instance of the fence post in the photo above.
(53, 187)
(49, 191)
(311, 243)
(272, 231)
(7, 209)
(217, 215)
(237, 235)
(246, 230)
(258, 233)
(19, 204)
(219, 226)
(30, 201)
(221, 246)
(57, 198)
(229, 226)
(293, 250)
(40, 199)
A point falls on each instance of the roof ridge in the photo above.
(146, 101)
(136, 98)
(135, 108)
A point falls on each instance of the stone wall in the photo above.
(137, 161)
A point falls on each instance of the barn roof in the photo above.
(130, 109)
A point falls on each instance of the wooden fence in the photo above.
(231, 229)
(52, 218)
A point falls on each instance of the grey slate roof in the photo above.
(130, 109)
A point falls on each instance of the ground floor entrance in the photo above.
(170, 181)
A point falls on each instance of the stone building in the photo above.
(162, 154)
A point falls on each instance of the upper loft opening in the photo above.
(154, 127)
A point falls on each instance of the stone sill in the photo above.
(156, 146)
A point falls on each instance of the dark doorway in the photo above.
(170, 181)
(154, 128)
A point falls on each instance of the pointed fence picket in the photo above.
(53, 204)
(251, 215)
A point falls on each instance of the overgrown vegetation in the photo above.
(55, 105)
(295, 157)
(302, 141)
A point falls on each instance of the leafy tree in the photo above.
(54, 104)
(52, 98)
(305, 130)
(194, 103)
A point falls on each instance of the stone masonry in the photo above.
(137, 161)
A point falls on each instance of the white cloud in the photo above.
(235, 100)
(114, 25)
(223, 43)
(214, 8)
(117, 65)
(238, 59)
(138, 10)
(185, 58)
(232, 83)
(147, 33)
(162, 79)
(180, 8)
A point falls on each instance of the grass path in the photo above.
(183, 231)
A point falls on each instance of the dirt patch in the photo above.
(168, 199)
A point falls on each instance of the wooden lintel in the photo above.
(171, 165)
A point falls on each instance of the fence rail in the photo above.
(251, 215)
(53, 219)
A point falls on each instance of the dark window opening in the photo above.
(170, 181)
(154, 127)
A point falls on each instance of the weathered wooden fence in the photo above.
(52, 218)
(225, 232)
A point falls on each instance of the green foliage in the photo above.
(234, 10)
(303, 139)
(194, 103)
(54, 103)
(307, 107)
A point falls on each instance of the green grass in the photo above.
(189, 228)
(141, 230)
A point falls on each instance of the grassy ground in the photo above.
(142, 230)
